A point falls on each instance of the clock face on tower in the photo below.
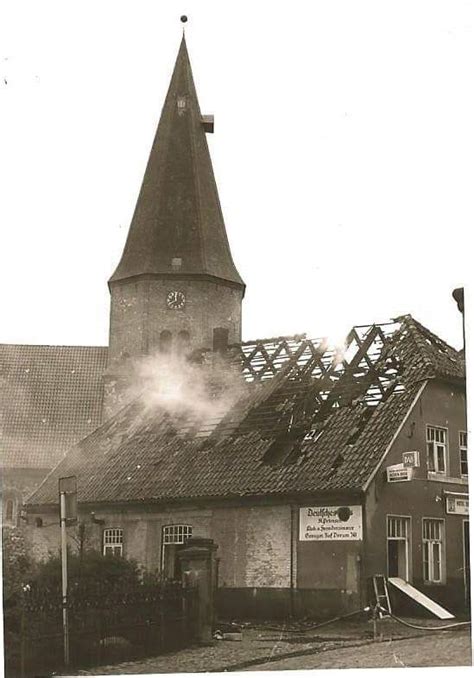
(175, 300)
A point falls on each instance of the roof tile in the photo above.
(51, 399)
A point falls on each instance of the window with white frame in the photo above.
(172, 537)
(398, 546)
(463, 452)
(433, 550)
(436, 445)
(113, 541)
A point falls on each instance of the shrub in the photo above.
(32, 591)
(18, 567)
(90, 571)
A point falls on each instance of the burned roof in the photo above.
(310, 418)
(51, 399)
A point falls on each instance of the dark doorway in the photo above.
(398, 550)
(392, 547)
(173, 536)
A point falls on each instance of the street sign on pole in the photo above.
(68, 515)
(68, 487)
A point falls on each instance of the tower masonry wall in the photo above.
(139, 314)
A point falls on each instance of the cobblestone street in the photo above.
(447, 650)
(342, 646)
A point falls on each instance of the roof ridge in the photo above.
(6, 344)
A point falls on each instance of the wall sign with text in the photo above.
(457, 505)
(331, 523)
(411, 459)
(398, 473)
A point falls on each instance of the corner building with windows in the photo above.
(312, 468)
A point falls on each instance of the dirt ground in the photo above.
(345, 645)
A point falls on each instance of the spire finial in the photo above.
(183, 20)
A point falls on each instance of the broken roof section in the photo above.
(311, 418)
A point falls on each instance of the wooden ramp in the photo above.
(420, 598)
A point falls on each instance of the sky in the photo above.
(343, 152)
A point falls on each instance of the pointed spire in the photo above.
(178, 224)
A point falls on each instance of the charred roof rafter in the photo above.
(308, 392)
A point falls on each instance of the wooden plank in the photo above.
(420, 598)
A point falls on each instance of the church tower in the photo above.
(176, 288)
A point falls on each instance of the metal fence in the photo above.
(103, 629)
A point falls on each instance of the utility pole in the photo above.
(62, 498)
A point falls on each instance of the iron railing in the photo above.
(116, 627)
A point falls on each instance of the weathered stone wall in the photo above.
(254, 542)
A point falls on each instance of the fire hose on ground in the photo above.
(375, 610)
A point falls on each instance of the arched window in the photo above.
(172, 537)
(166, 340)
(113, 541)
(183, 342)
(220, 339)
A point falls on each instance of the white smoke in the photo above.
(200, 395)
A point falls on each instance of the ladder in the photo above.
(381, 596)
